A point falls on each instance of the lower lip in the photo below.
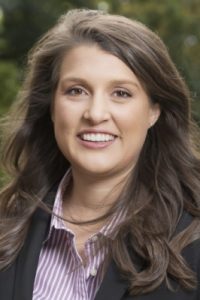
(96, 145)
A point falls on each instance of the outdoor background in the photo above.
(22, 22)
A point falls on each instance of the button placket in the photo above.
(88, 261)
(90, 267)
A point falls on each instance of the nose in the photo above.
(97, 110)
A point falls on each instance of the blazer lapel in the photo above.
(113, 286)
(27, 261)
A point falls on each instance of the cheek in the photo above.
(135, 127)
(67, 114)
(134, 121)
(63, 118)
(62, 131)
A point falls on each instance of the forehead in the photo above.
(89, 61)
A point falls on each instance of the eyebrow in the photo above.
(112, 82)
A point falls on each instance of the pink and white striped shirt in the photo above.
(61, 274)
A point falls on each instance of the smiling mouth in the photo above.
(98, 137)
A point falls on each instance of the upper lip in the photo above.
(95, 131)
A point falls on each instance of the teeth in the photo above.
(99, 137)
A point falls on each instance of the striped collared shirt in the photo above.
(61, 274)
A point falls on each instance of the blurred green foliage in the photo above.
(22, 22)
(9, 84)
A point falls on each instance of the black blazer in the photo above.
(16, 283)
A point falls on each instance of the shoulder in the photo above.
(191, 252)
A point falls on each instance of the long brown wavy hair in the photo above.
(166, 180)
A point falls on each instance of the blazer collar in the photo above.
(113, 286)
(27, 260)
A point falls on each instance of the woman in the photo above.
(104, 200)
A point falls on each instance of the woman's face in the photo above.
(101, 113)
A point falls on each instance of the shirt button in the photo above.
(94, 238)
(93, 272)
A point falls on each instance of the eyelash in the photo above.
(79, 91)
(122, 94)
(74, 91)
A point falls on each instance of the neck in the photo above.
(89, 197)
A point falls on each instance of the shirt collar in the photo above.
(56, 221)
(58, 224)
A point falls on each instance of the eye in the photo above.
(122, 94)
(75, 91)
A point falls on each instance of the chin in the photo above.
(95, 170)
(98, 171)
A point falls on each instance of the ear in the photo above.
(154, 114)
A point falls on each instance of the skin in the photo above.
(97, 91)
